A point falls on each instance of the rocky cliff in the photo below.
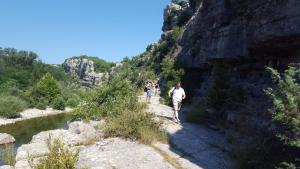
(83, 68)
(245, 35)
(239, 39)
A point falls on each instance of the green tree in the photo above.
(47, 88)
(286, 104)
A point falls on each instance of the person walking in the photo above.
(148, 90)
(178, 94)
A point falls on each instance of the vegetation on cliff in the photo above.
(100, 65)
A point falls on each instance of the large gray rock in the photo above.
(121, 154)
(176, 15)
(239, 29)
(84, 69)
(6, 139)
(6, 167)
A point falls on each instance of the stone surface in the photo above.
(83, 68)
(6, 167)
(77, 134)
(121, 154)
(194, 146)
(235, 29)
(6, 139)
(176, 14)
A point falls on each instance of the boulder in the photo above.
(6, 139)
(6, 167)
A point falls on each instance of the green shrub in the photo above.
(8, 154)
(60, 157)
(110, 99)
(42, 104)
(47, 88)
(136, 126)
(11, 106)
(223, 93)
(59, 103)
(171, 75)
(196, 113)
(286, 104)
(72, 102)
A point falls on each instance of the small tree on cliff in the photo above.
(47, 88)
(286, 104)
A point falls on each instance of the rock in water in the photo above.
(6, 139)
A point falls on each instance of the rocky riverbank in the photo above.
(33, 113)
(192, 146)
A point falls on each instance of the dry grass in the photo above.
(8, 154)
(171, 160)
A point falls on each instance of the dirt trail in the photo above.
(193, 146)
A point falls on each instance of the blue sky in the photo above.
(58, 29)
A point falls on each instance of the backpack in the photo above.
(145, 89)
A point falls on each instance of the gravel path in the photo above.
(194, 146)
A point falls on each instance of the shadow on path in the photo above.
(194, 146)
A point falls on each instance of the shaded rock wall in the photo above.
(239, 29)
(248, 35)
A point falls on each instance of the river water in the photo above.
(24, 130)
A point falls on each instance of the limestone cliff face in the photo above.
(241, 29)
(248, 35)
(83, 68)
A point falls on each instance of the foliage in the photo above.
(196, 113)
(47, 88)
(110, 99)
(285, 165)
(100, 65)
(136, 126)
(171, 74)
(222, 92)
(8, 154)
(59, 103)
(72, 102)
(117, 102)
(20, 71)
(11, 106)
(286, 104)
(60, 157)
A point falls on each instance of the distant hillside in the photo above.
(25, 82)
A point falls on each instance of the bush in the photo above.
(171, 74)
(47, 88)
(196, 113)
(136, 126)
(222, 92)
(59, 103)
(11, 106)
(72, 102)
(42, 104)
(286, 104)
(8, 154)
(60, 157)
(110, 99)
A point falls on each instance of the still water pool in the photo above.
(24, 130)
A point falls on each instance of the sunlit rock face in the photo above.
(247, 35)
(84, 69)
(239, 29)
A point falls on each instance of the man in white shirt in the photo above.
(178, 95)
